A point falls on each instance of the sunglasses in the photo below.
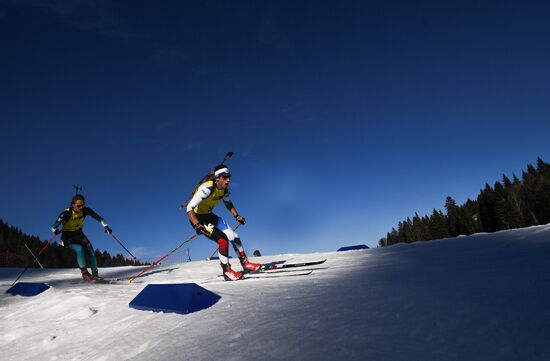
(79, 205)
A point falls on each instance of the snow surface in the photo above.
(482, 297)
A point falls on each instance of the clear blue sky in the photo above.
(345, 117)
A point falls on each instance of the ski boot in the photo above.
(86, 275)
(247, 265)
(229, 274)
(95, 277)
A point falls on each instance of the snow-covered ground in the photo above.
(482, 297)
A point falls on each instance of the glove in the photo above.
(201, 229)
(240, 219)
(56, 230)
(108, 229)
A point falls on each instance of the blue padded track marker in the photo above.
(27, 289)
(351, 248)
(180, 298)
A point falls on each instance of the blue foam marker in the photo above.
(180, 298)
(27, 289)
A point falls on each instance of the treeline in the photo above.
(511, 203)
(14, 254)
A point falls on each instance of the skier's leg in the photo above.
(223, 251)
(212, 221)
(233, 237)
(78, 249)
(223, 244)
(79, 252)
(90, 253)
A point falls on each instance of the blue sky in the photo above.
(344, 118)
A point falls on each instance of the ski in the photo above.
(275, 271)
(100, 281)
(97, 282)
(253, 275)
(104, 281)
(270, 275)
(270, 267)
(248, 276)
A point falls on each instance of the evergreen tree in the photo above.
(401, 233)
(407, 231)
(500, 207)
(471, 215)
(416, 229)
(438, 225)
(543, 192)
(543, 168)
(514, 213)
(486, 204)
(452, 217)
(529, 196)
(426, 234)
(392, 237)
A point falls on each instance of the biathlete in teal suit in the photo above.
(71, 221)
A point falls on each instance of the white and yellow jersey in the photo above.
(207, 197)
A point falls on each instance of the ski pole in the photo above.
(36, 259)
(119, 242)
(33, 256)
(213, 253)
(163, 257)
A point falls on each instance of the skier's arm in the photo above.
(61, 219)
(90, 212)
(192, 217)
(231, 208)
(200, 195)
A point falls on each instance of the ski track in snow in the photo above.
(482, 297)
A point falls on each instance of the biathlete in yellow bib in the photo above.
(199, 210)
(71, 221)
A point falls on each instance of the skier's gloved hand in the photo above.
(55, 230)
(201, 229)
(108, 229)
(240, 219)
